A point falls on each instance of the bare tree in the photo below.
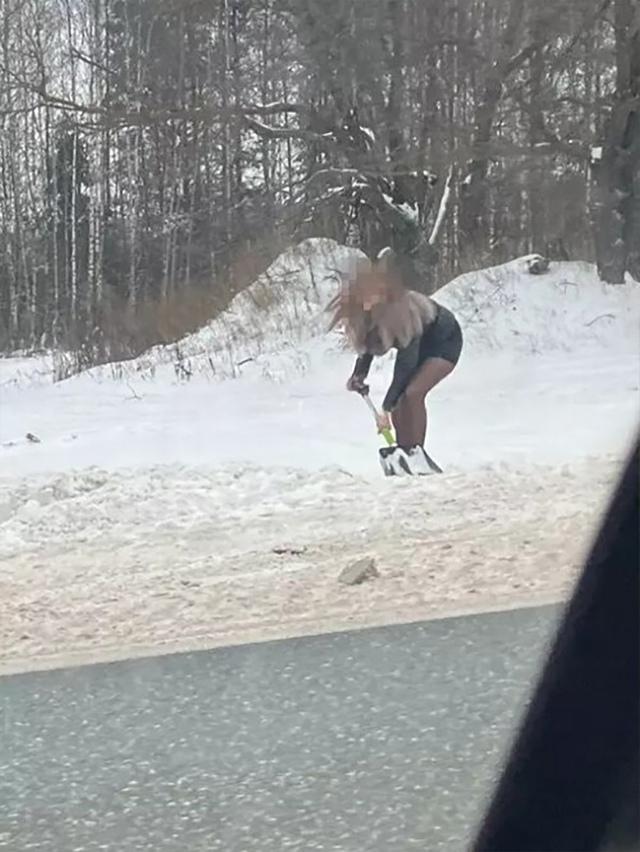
(616, 160)
(153, 154)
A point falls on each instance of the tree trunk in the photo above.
(396, 96)
(536, 184)
(227, 163)
(473, 219)
(616, 163)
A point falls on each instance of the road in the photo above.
(380, 739)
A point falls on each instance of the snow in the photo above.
(409, 211)
(368, 132)
(18, 370)
(101, 563)
(268, 326)
(158, 513)
(567, 310)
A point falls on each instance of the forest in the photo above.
(157, 155)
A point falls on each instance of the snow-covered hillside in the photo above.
(277, 327)
(504, 309)
(268, 330)
(146, 509)
(276, 330)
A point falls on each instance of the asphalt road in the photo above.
(382, 739)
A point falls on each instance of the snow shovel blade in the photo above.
(384, 454)
(394, 462)
(385, 461)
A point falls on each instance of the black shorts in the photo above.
(444, 339)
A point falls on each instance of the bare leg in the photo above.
(419, 423)
(402, 422)
(428, 376)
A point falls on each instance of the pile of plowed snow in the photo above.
(270, 327)
(20, 369)
(278, 325)
(567, 308)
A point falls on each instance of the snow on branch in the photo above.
(442, 209)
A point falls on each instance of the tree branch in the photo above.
(269, 132)
(519, 59)
(575, 150)
(274, 108)
(333, 172)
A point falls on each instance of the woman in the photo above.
(379, 313)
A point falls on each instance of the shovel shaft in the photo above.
(369, 402)
(386, 433)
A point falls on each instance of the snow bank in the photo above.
(102, 562)
(19, 370)
(270, 329)
(278, 325)
(506, 308)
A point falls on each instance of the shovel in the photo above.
(393, 459)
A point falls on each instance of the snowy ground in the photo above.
(155, 513)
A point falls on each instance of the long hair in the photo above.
(377, 311)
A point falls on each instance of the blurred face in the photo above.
(371, 300)
(373, 289)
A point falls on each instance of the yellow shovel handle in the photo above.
(388, 436)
